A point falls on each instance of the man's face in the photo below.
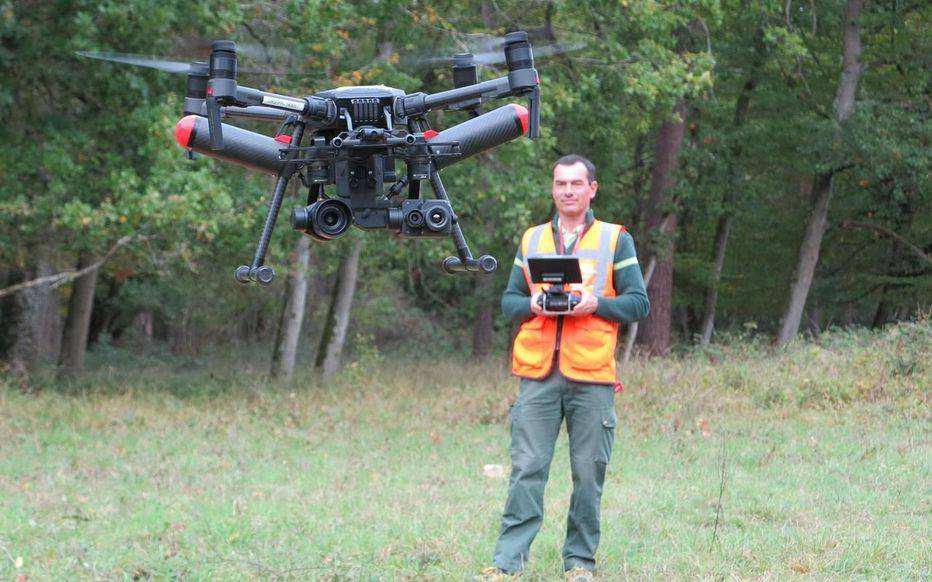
(572, 190)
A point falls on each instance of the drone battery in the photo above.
(249, 149)
(484, 132)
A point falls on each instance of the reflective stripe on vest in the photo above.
(595, 263)
(588, 352)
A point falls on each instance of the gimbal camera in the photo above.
(357, 134)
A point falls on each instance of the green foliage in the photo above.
(87, 154)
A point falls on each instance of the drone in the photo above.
(355, 135)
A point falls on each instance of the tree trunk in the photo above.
(638, 220)
(633, 326)
(655, 330)
(722, 232)
(143, 326)
(32, 321)
(103, 313)
(334, 337)
(486, 302)
(725, 219)
(814, 318)
(285, 351)
(822, 184)
(74, 340)
(482, 322)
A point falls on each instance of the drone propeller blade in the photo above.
(496, 56)
(138, 60)
(548, 50)
(165, 64)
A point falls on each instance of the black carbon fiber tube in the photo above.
(253, 150)
(484, 132)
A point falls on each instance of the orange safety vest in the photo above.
(587, 344)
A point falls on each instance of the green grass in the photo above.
(214, 474)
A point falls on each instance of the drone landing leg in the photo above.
(257, 272)
(465, 260)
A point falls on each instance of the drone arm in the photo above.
(315, 109)
(249, 112)
(256, 112)
(493, 88)
(421, 103)
(524, 84)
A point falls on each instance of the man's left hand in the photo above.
(587, 305)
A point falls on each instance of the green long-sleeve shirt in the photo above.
(629, 304)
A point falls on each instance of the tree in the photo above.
(823, 181)
(330, 352)
(655, 332)
(74, 342)
(730, 199)
(285, 350)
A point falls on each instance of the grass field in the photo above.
(734, 462)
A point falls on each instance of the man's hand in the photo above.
(535, 308)
(587, 305)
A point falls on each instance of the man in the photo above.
(567, 368)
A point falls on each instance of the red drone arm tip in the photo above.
(523, 115)
(183, 130)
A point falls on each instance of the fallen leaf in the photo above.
(800, 568)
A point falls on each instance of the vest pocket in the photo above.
(589, 344)
(530, 348)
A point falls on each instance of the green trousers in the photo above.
(589, 410)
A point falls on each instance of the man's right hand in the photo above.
(535, 308)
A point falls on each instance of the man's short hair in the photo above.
(571, 159)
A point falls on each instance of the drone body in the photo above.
(356, 137)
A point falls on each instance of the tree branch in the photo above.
(890, 233)
(60, 279)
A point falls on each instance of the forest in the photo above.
(770, 158)
(351, 421)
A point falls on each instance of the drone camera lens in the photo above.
(438, 219)
(330, 219)
(415, 219)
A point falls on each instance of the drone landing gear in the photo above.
(257, 272)
(464, 261)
